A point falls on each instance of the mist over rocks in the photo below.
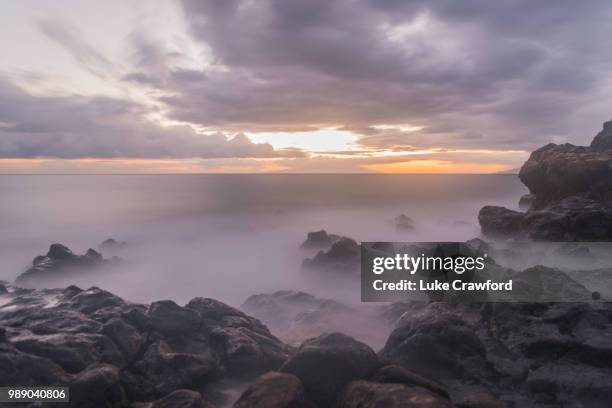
(319, 240)
(571, 188)
(343, 257)
(61, 261)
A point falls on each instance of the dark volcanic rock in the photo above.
(319, 240)
(571, 219)
(326, 364)
(441, 346)
(343, 256)
(114, 353)
(571, 194)
(365, 394)
(275, 390)
(60, 261)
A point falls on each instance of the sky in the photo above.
(327, 86)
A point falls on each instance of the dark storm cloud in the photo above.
(517, 72)
(100, 127)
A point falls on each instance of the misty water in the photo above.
(229, 236)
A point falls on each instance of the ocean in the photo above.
(228, 236)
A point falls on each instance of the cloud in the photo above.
(518, 73)
(102, 127)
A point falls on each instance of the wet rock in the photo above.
(97, 386)
(275, 390)
(125, 336)
(162, 370)
(364, 394)
(326, 364)
(319, 240)
(404, 223)
(169, 318)
(92, 338)
(61, 261)
(343, 256)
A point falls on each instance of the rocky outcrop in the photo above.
(344, 256)
(61, 261)
(571, 219)
(319, 240)
(571, 195)
(113, 353)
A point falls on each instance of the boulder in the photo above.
(97, 386)
(275, 390)
(326, 364)
(364, 394)
(442, 346)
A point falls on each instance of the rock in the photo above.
(603, 140)
(326, 364)
(572, 219)
(526, 201)
(555, 172)
(2, 289)
(405, 223)
(364, 394)
(398, 375)
(60, 261)
(571, 195)
(500, 222)
(245, 345)
(343, 256)
(319, 240)
(275, 390)
(91, 339)
(169, 318)
(125, 336)
(97, 386)
(182, 399)
(442, 346)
